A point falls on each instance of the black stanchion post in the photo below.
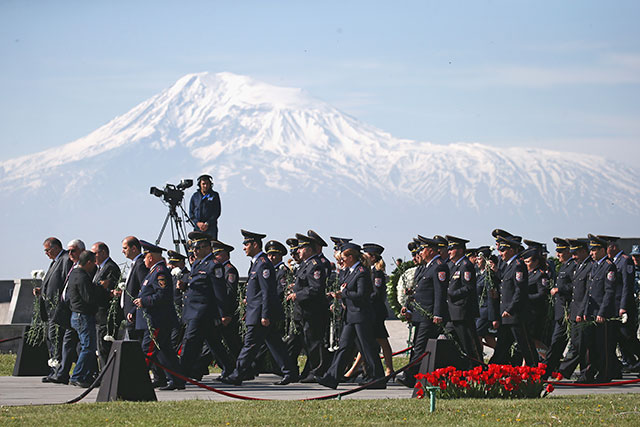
(31, 361)
(442, 353)
(127, 377)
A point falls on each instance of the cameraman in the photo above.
(204, 208)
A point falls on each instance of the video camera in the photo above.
(172, 194)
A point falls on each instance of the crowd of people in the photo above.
(579, 310)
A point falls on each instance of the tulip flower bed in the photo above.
(494, 381)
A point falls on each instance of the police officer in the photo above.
(538, 294)
(356, 293)
(311, 307)
(600, 305)
(263, 313)
(230, 324)
(155, 314)
(427, 308)
(561, 294)
(204, 207)
(576, 354)
(463, 298)
(488, 296)
(275, 252)
(205, 304)
(513, 303)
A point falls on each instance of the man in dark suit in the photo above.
(49, 293)
(105, 279)
(132, 250)
(513, 306)
(427, 307)
(463, 298)
(263, 313)
(205, 304)
(584, 264)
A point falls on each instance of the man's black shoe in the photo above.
(402, 379)
(309, 379)
(172, 386)
(327, 382)
(81, 384)
(47, 379)
(284, 381)
(380, 385)
(158, 384)
(231, 380)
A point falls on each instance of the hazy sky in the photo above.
(556, 74)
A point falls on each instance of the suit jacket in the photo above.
(538, 293)
(562, 298)
(514, 297)
(600, 299)
(462, 295)
(156, 295)
(625, 286)
(206, 293)
(432, 281)
(54, 279)
(262, 293)
(231, 278)
(310, 289)
(136, 277)
(579, 287)
(357, 295)
(109, 273)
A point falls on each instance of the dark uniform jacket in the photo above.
(462, 296)
(310, 289)
(357, 295)
(134, 280)
(488, 299)
(625, 292)
(432, 281)
(81, 292)
(109, 273)
(205, 208)
(562, 298)
(262, 293)
(379, 294)
(600, 299)
(538, 290)
(206, 293)
(579, 287)
(232, 279)
(156, 294)
(514, 297)
(54, 279)
(282, 272)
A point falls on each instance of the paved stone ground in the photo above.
(30, 390)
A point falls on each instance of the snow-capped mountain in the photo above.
(282, 159)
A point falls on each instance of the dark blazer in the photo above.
(137, 274)
(110, 274)
(357, 295)
(579, 287)
(282, 272)
(262, 293)
(462, 295)
(514, 297)
(538, 290)
(231, 278)
(310, 289)
(156, 295)
(379, 293)
(600, 299)
(625, 289)
(432, 281)
(562, 298)
(54, 279)
(81, 292)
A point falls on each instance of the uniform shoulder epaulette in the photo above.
(314, 261)
(360, 269)
(609, 261)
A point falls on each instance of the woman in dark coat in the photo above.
(355, 292)
(538, 313)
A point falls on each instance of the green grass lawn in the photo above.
(618, 410)
(6, 364)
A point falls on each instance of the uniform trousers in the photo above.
(255, 336)
(197, 331)
(600, 344)
(558, 344)
(507, 334)
(465, 331)
(362, 334)
(159, 349)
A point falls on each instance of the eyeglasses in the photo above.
(502, 249)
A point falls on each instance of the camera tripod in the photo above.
(177, 221)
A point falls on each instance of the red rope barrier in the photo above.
(610, 384)
(10, 339)
(400, 352)
(330, 396)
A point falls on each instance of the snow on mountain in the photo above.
(258, 139)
